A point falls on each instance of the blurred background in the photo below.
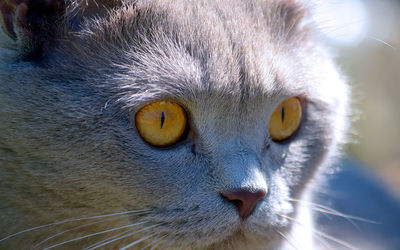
(365, 35)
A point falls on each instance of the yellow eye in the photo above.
(161, 123)
(285, 120)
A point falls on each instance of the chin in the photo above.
(247, 240)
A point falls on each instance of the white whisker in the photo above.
(107, 239)
(331, 211)
(153, 242)
(135, 242)
(318, 237)
(383, 42)
(71, 220)
(94, 234)
(346, 217)
(81, 226)
(286, 238)
(124, 236)
(343, 243)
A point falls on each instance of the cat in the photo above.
(253, 105)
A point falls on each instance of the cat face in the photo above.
(70, 123)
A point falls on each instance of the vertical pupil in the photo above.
(283, 114)
(162, 119)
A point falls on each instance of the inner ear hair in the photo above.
(93, 7)
(33, 24)
(7, 13)
(286, 19)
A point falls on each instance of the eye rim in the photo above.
(180, 140)
(303, 112)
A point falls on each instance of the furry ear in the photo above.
(292, 13)
(287, 18)
(33, 24)
(94, 7)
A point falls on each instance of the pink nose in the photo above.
(244, 200)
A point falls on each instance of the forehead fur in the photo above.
(282, 17)
(199, 41)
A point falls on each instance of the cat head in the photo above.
(71, 94)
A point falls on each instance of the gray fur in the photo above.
(69, 147)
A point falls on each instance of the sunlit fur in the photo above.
(69, 147)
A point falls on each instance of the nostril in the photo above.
(244, 200)
(237, 203)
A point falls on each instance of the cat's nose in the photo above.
(244, 200)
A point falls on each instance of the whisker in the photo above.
(107, 239)
(70, 220)
(93, 234)
(383, 42)
(322, 240)
(153, 242)
(343, 243)
(81, 226)
(155, 245)
(286, 238)
(135, 242)
(331, 211)
(126, 235)
(319, 238)
(347, 217)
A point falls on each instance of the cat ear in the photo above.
(32, 24)
(289, 18)
(89, 8)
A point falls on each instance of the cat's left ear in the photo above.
(288, 17)
(32, 24)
